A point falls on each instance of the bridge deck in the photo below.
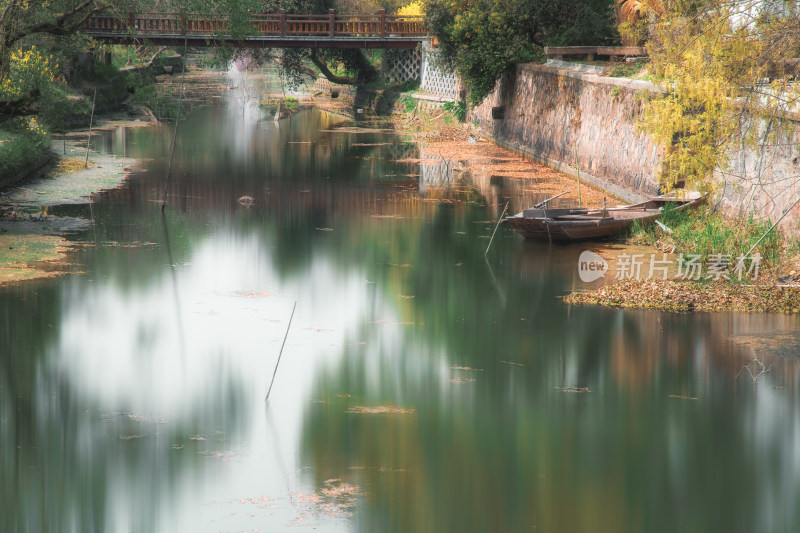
(268, 30)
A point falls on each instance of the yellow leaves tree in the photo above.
(723, 72)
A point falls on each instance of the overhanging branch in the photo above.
(341, 80)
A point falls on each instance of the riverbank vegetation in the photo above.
(481, 39)
(727, 74)
(706, 232)
(683, 296)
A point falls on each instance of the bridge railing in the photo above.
(277, 24)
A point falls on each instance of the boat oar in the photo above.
(544, 202)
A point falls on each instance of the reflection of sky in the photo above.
(121, 351)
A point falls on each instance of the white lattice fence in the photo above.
(437, 79)
(404, 67)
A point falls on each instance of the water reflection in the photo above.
(422, 388)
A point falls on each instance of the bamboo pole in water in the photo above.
(89, 139)
(281, 352)
(495, 228)
(578, 169)
(177, 121)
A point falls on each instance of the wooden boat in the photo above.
(566, 225)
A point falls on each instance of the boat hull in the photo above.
(564, 225)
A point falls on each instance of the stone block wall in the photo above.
(575, 120)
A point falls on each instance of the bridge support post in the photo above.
(282, 22)
(382, 22)
(331, 22)
(131, 20)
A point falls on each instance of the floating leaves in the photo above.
(253, 294)
(573, 389)
(379, 410)
(690, 296)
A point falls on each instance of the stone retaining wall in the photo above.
(576, 120)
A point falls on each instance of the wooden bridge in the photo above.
(280, 30)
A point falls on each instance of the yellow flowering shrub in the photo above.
(414, 9)
(28, 71)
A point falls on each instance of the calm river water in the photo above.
(422, 387)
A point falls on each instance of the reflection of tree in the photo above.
(483, 459)
(508, 451)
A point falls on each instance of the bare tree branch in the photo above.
(63, 25)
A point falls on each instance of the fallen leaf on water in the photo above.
(380, 409)
(382, 322)
(253, 294)
(681, 397)
(324, 229)
(513, 363)
(573, 389)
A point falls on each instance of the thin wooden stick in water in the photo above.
(88, 140)
(177, 121)
(578, 169)
(281, 352)
(495, 228)
(741, 259)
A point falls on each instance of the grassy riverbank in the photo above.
(762, 282)
(706, 232)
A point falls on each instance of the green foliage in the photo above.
(23, 141)
(60, 109)
(706, 231)
(626, 70)
(407, 86)
(458, 109)
(409, 103)
(483, 38)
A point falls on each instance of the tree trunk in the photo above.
(333, 78)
